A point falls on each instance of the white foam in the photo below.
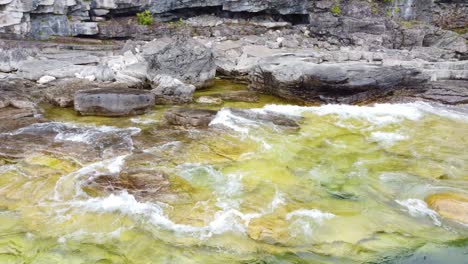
(418, 208)
(88, 134)
(70, 185)
(306, 221)
(315, 214)
(377, 114)
(224, 221)
(75, 133)
(241, 125)
(115, 166)
(226, 118)
(277, 201)
(387, 138)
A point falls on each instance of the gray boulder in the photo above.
(169, 90)
(113, 102)
(297, 79)
(182, 58)
(189, 117)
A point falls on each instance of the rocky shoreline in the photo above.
(305, 51)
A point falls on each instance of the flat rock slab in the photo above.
(294, 78)
(190, 117)
(239, 96)
(113, 102)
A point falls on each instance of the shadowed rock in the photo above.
(113, 102)
(297, 79)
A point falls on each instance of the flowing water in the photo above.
(346, 186)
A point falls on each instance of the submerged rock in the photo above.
(239, 96)
(452, 206)
(145, 185)
(189, 117)
(113, 102)
(267, 116)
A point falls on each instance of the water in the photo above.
(347, 186)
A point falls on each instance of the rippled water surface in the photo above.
(347, 186)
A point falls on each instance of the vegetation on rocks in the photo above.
(145, 18)
(336, 10)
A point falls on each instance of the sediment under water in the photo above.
(347, 186)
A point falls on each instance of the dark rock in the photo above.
(447, 92)
(189, 117)
(294, 78)
(182, 58)
(113, 102)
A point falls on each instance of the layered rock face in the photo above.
(308, 50)
(113, 102)
(296, 78)
(42, 18)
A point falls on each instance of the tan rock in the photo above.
(452, 206)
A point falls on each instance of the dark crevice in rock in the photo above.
(185, 13)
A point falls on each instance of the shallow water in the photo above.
(347, 186)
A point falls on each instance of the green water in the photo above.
(243, 191)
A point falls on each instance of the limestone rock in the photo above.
(182, 58)
(209, 100)
(113, 102)
(46, 79)
(169, 90)
(189, 117)
(297, 79)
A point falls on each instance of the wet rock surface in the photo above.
(189, 117)
(113, 102)
(145, 185)
(296, 78)
(267, 117)
(450, 205)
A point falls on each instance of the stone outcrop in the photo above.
(169, 90)
(244, 40)
(113, 102)
(189, 117)
(298, 79)
(16, 109)
(182, 58)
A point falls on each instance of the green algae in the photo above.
(337, 165)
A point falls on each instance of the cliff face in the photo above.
(354, 22)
